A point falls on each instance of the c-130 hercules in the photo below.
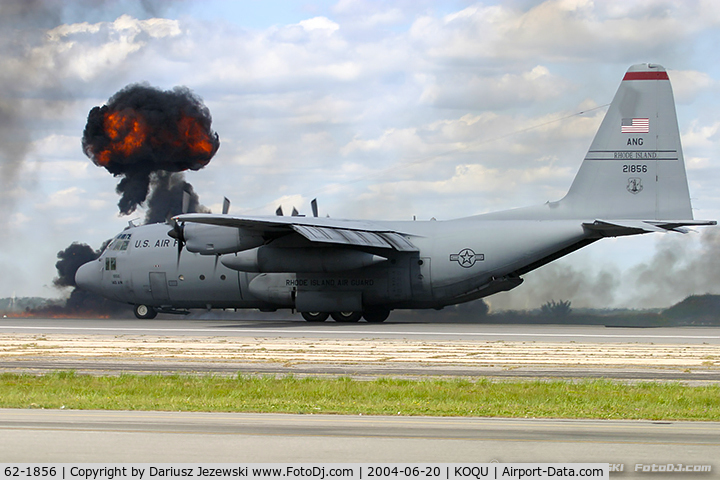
(632, 181)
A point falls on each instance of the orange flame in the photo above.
(127, 132)
(196, 138)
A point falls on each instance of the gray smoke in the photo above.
(22, 26)
(28, 76)
(582, 285)
(679, 268)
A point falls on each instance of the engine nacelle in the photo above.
(272, 289)
(275, 289)
(218, 240)
(295, 260)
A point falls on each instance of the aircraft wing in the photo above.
(617, 228)
(317, 230)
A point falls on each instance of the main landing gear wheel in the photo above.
(346, 317)
(376, 315)
(145, 312)
(315, 316)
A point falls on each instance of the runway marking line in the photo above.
(479, 422)
(331, 435)
(363, 332)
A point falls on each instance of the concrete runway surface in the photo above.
(211, 326)
(121, 436)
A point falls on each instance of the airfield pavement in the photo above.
(357, 352)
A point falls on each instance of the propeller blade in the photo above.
(279, 211)
(185, 201)
(295, 213)
(313, 204)
(178, 233)
(180, 248)
(226, 206)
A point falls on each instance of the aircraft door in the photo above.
(159, 286)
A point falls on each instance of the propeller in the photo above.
(178, 233)
(226, 206)
(178, 230)
(295, 213)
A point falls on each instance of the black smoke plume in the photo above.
(166, 197)
(80, 301)
(70, 259)
(143, 131)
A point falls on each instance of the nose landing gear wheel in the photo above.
(145, 312)
(315, 316)
(346, 317)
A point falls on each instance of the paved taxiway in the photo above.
(119, 436)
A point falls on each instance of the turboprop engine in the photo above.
(310, 260)
(215, 239)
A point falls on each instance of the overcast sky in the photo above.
(380, 109)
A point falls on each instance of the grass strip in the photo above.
(386, 396)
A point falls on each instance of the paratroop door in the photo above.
(159, 286)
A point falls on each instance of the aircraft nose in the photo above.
(88, 276)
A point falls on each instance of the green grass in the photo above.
(541, 399)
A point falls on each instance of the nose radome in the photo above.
(88, 276)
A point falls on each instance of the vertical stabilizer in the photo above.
(635, 167)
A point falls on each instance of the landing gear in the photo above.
(145, 312)
(376, 315)
(346, 317)
(315, 316)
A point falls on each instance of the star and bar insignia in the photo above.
(466, 258)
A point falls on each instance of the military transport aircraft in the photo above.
(632, 181)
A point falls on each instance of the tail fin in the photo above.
(635, 167)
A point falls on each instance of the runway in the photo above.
(400, 349)
(112, 436)
(182, 326)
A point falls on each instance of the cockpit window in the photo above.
(121, 245)
(110, 263)
(121, 242)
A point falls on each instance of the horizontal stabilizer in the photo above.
(618, 228)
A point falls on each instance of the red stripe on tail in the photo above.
(646, 76)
